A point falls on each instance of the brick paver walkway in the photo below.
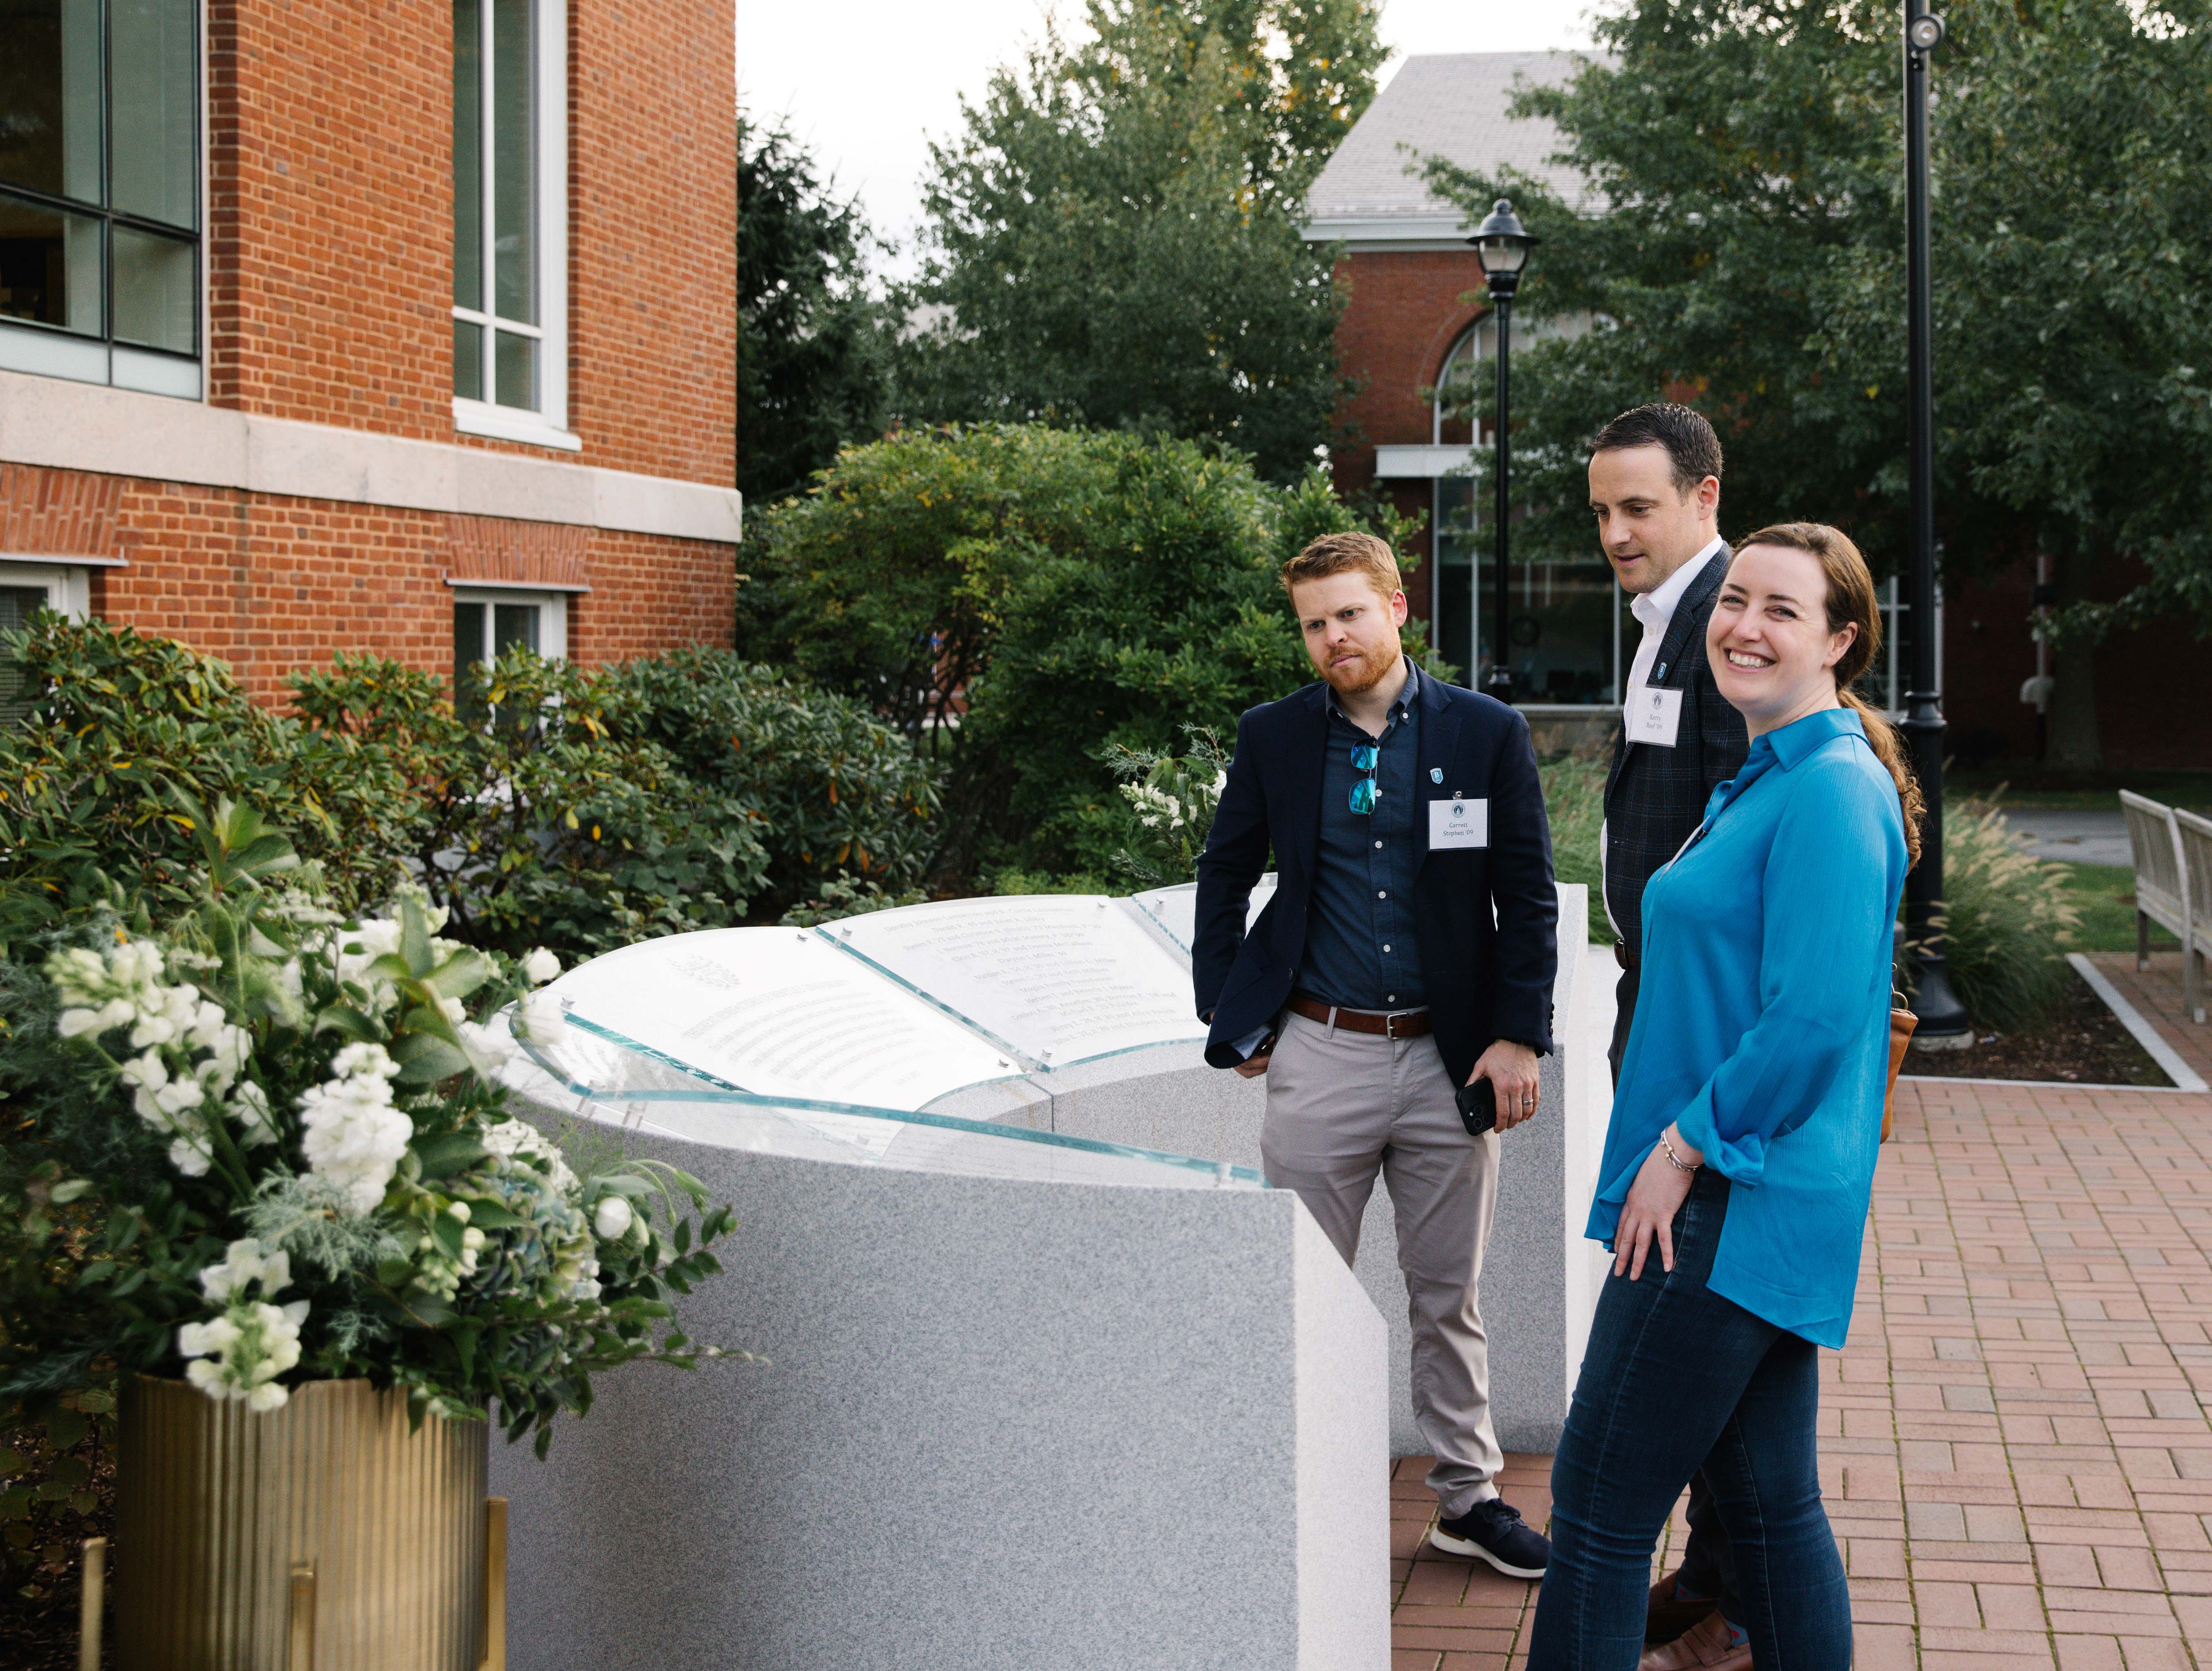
(2014, 1444)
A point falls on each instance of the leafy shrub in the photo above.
(2008, 918)
(554, 822)
(837, 798)
(116, 723)
(1015, 598)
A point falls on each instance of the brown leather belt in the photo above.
(1403, 1023)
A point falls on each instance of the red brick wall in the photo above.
(2151, 712)
(1404, 313)
(652, 299)
(272, 585)
(330, 236)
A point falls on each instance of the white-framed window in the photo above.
(511, 220)
(491, 620)
(1564, 633)
(99, 191)
(26, 587)
(29, 585)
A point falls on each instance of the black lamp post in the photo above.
(1502, 245)
(1941, 1016)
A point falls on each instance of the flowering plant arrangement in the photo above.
(279, 1139)
(1169, 801)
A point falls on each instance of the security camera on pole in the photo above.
(1942, 1017)
(1502, 245)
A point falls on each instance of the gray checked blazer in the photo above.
(1654, 796)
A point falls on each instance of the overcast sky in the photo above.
(866, 83)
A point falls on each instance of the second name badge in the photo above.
(1653, 716)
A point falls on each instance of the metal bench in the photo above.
(2163, 888)
(2196, 835)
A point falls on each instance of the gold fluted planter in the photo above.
(221, 1513)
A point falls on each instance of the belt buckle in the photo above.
(1390, 1026)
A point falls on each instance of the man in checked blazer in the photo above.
(1655, 485)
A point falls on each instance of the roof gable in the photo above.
(1447, 104)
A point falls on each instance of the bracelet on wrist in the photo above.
(1675, 1160)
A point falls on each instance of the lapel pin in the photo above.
(1659, 673)
(1436, 775)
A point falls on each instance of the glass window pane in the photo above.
(1453, 548)
(49, 266)
(49, 96)
(155, 298)
(468, 359)
(513, 157)
(155, 62)
(468, 155)
(516, 374)
(1559, 638)
(468, 649)
(18, 604)
(514, 627)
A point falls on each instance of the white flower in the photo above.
(149, 1072)
(249, 1107)
(487, 1048)
(79, 974)
(352, 1134)
(191, 1154)
(240, 1354)
(538, 1018)
(611, 1219)
(246, 1261)
(518, 1137)
(540, 966)
(363, 1058)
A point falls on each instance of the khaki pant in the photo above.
(1342, 1106)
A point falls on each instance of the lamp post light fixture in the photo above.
(1502, 245)
(1942, 1017)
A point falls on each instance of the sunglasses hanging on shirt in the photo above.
(1365, 793)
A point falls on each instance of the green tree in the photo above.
(1021, 600)
(1115, 234)
(1750, 260)
(813, 340)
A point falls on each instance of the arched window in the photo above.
(1566, 631)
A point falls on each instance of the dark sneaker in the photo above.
(1495, 1532)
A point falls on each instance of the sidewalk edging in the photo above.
(2184, 1076)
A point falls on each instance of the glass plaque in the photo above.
(1054, 978)
(1175, 909)
(779, 1013)
(617, 1080)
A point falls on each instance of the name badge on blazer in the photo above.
(1653, 716)
(1458, 823)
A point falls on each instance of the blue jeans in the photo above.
(1677, 1379)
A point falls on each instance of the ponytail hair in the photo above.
(1851, 601)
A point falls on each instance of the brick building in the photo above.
(358, 324)
(1417, 318)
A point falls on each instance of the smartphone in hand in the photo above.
(1478, 1107)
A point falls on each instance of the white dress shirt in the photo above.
(1655, 609)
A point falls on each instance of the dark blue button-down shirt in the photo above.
(1361, 950)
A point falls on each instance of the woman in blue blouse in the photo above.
(1740, 1157)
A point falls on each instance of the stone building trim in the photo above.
(119, 432)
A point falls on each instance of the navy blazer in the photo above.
(1485, 981)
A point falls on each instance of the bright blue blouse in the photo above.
(1762, 1019)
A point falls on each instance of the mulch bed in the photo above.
(2082, 1041)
